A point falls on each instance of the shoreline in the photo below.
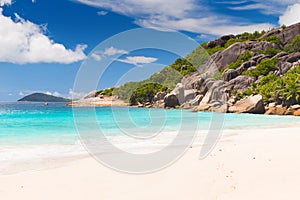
(246, 164)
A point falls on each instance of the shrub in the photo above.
(273, 39)
(270, 51)
(106, 92)
(285, 90)
(183, 66)
(263, 68)
(242, 58)
(294, 46)
(145, 93)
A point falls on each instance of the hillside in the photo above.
(247, 73)
(40, 97)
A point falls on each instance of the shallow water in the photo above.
(34, 131)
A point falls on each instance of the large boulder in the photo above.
(284, 67)
(223, 58)
(196, 100)
(220, 42)
(240, 83)
(189, 95)
(192, 81)
(159, 96)
(245, 66)
(215, 93)
(285, 35)
(179, 93)
(297, 113)
(253, 104)
(294, 57)
(278, 110)
(171, 101)
(230, 74)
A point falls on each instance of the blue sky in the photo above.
(44, 42)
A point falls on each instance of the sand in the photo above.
(96, 101)
(253, 164)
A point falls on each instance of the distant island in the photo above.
(40, 97)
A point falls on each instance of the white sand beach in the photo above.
(253, 164)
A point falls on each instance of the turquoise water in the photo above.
(34, 123)
(31, 134)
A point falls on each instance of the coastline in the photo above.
(245, 164)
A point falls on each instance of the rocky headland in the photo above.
(255, 73)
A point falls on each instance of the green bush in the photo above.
(106, 92)
(294, 46)
(183, 66)
(145, 93)
(242, 58)
(270, 51)
(273, 39)
(264, 68)
(285, 90)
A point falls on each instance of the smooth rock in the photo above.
(251, 104)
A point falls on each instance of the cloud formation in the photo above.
(291, 15)
(24, 42)
(138, 60)
(112, 51)
(182, 15)
(5, 2)
(102, 13)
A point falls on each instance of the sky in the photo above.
(45, 42)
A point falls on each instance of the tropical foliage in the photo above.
(284, 90)
(264, 68)
(145, 93)
(242, 58)
(294, 46)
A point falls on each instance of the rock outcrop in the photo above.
(252, 104)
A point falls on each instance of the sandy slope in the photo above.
(257, 164)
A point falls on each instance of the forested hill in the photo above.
(40, 97)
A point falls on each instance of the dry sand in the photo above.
(254, 164)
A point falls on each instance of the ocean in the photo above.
(31, 132)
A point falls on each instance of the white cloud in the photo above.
(291, 15)
(57, 94)
(138, 60)
(96, 57)
(76, 95)
(10, 94)
(205, 25)
(102, 13)
(112, 51)
(5, 2)
(21, 93)
(23, 42)
(182, 15)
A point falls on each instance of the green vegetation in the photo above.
(285, 90)
(283, 26)
(198, 57)
(211, 51)
(106, 92)
(294, 46)
(167, 77)
(183, 66)
(273, 39)
(238, 38)
(242, 58)
(40, 97)
(145, 93)
(270, 51)
(263, 68)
